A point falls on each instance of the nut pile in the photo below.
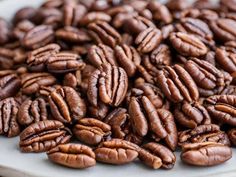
(122, 80)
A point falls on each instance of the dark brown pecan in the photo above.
(94, 17)
(161, 56)
(4, 31)
(120, 19)
(6, 58)
(167, 30)
(43, 136)
(187, 45)
(226, 58)
(9, 83)
(204, 133)
(91, 131)
(198, 28)
(8, 117)
(113, 11)
(25, 13)
(37, 58)
(222, 108)
(116, 152)
(70, 80)
(160, 122)
(208, 78)
(177, 84)
(37, 37)
(66, 105)
(83, 75)
(230, 90)
(177, 5)
(100, 111)
(205, 154)
(152, 92)
(128, 58)
(102, 32)
(224, 29)
(191, 115)
(72, 34)
(156, 155)
(101, 54)
(64, 62)
(22, 28)
(160, 12)
(31, 111)
(32, 81)
(109, 84)
(118, 119)
(230, 5)
(148, 39)
(72, 155)
(136, 24)
(148, 70)
(73, 13)
(232, 136)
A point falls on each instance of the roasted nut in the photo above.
(72, 155)
(37, 58)
(204, 133)
(177, 84)
(116, 152)
(9, 84)
(91, 131)
(8, 117)
(31, 82)
(66, 105)
(187, 45)
(31, 111)
(222, 107)
(205, 154)
(191, 115)
(156, 155)
(109, 84)
(44, 135)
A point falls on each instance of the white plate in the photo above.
(16, 164)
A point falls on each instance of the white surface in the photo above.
(16, 164)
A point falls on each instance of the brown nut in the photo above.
(222, 108)
(203, 133)
(31, 82)
(156, 155)
(128, 58)
(109, 85)
(37, 58)
(31, 111)
(187, 45)
(232, 136)
(44, 135)
(205, 154)
(177, 84)
(209, 79)
(91, 131)
(37, 37)
(191, 115)
(119, 121)
(72, 155)
(102, 32)
(116, 152)
(8, 117)
(9, 83)
(148, 39)
(101, 54)
(66, 105)
(64, 62)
